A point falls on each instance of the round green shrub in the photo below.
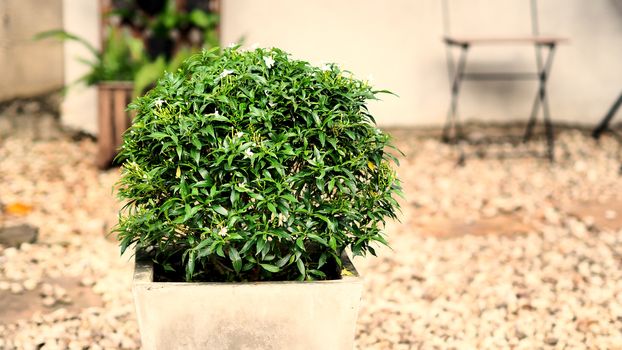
(250, 165)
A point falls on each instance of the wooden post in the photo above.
(113, 119)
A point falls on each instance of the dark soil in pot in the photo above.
(174, 272)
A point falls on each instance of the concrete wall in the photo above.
(27, 67)
(79, 107)
(398, 44)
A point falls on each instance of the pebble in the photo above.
(558, 285)
(16, 288)
(30, 284)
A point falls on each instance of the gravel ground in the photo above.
(555, 282)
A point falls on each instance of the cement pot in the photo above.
(261, 315)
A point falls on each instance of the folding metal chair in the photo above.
(452, 131)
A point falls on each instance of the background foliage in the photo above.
(143, 39)
(246, 166)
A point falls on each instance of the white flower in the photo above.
(281, 218)
(159, 102)
(225, 73)
(231, 45)
(239, 134)
(216, 113)
(325, 67)
(269, 61)
(223, 232)
(254, 46)
(248, 153)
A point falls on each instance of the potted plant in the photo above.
(247, 176)
(132, 59)
(112, 70)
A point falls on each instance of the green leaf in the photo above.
(283, 260)
(270, 268)
(322, 260)
(220, 210)
(158, 135)
(301, 267)
(190, 266)
(190, 212)
(271, 207)
(235, 259)
(317, 238)
(300, 243)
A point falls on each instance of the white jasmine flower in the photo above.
(248, 153)
(325, 67)
(216, 113)
(159, 102)
(225, 73)
(269, 61)
(239, 134)
(231, 45)
(223, 232)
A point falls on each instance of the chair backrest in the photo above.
(467, 15)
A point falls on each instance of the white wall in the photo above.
(29, 67)
(79, 107)
(398, 43)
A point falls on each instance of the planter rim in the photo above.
(144, 273)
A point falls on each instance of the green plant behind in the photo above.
(123, 56)
(247, 166)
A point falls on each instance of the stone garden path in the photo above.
(497, 254)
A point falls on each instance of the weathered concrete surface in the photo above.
(29, 67)
(268, 315)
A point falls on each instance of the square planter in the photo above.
(260, 315)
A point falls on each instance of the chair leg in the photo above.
(604, 124)
(541, 101)
(452, 130)
(550, 135)
(532, 119)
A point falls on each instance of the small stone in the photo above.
(16, 235)
(551, 341)
(59, 292)
(30, 284)
(47, 289)
(16, 288)
(49, 301)
(87, 281)
(4, 285)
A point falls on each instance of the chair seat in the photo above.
(530, 40)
